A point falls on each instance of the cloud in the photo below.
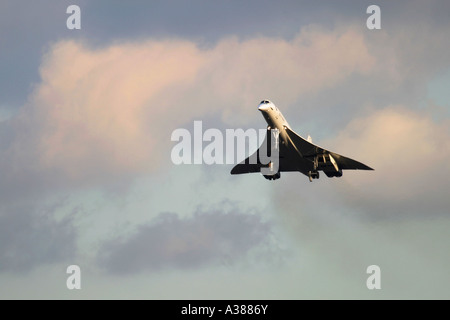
(30, 238)
(102, 114)
(315, 59)
(101, 110)
(183, 243)
(409, 152)
(395, 216)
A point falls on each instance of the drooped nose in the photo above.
(264, 105)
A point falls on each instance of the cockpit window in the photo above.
(264, 102)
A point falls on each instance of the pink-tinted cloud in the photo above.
(104, 112)
(97, 107)
(409, 152)
(284, 70)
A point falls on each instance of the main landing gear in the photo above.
(313, 175)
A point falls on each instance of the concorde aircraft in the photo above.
(294, 152)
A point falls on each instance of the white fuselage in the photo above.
(274, 119)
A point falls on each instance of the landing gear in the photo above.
(313, 175)
(276, 176)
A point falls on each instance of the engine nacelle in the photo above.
(331, 174)
(328, 164)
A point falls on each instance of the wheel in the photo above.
(313, 175)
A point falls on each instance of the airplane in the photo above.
(295, 153)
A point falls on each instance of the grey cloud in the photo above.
(210, 21)
(410, 50)
(174, 242)
(30, 237)
(26, 28)
(24, 34)
(371, 206)
(345, 233)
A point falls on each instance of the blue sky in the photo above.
(86, 178)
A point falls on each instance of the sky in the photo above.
(86, 176)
